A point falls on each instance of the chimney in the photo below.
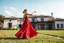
(52, 14)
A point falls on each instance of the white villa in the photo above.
(12, 22)
(38, 22)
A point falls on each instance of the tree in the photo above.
(1, 18)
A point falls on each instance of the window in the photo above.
(61, 25)
(38, 19)
(33, 25)
(33, 19)
(10, 20)
(45, 19)
(20, 25)
(57, 25)
(42, 19)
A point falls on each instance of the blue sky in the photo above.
(42, 7)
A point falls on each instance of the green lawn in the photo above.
(42, 37)
(59, 33)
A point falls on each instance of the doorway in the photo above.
(10, 25)
(20, 25)
(42, 26)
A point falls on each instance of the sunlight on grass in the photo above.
(40, 38)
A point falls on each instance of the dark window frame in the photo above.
(10, 20)
(9, 25)
(42, 19)
(57, 25)
(61, 25)
(33, 19)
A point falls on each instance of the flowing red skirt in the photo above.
(27, 30)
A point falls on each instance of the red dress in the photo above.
(27, 30)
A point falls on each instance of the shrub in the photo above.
(9, 28)
(1, 27)
(4, 28)
(14, 29)
(59, 29)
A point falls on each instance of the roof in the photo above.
(36, 16)
(59, 19)
(50, 18)
(47, 16)
(40, 16)
(13, 18)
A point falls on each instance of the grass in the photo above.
(53, 32)
(42, 37)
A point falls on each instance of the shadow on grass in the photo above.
(53, 35)
(12, 38)
(17, 38)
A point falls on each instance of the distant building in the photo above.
(46, 22)
(38, 22)
(12, 22)
(42, 22)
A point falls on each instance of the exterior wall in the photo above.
(38, 24)
(5, 23)
(19, 22)
(53, 25)
(59, 22)
(45, 19)
(14, 23)
(35, 19)
(38, 19)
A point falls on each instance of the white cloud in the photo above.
(5, 7)
(19, 14)
(26, 7)
(12, 11)
(8, 13)
(13, 8)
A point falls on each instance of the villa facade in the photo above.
(38, 22)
